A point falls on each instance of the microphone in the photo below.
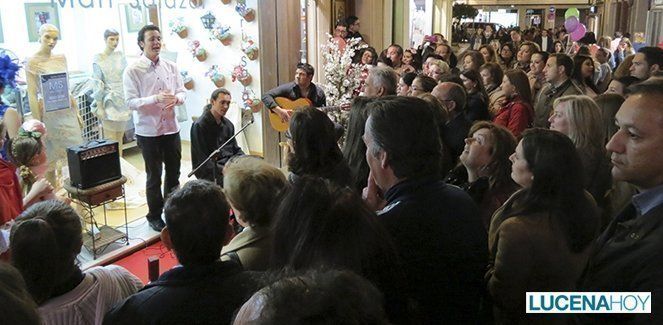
(218, 150)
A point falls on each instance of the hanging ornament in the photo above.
(222, 33)
(178, 27)
(216, 75)
(241, 74)
(249, 47)
(251, 101)
(188, 81)
(197, 51)
(247, 13)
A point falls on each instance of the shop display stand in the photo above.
(91, 198)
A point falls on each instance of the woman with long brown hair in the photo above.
(517, 113)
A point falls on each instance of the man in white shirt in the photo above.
(153, 87)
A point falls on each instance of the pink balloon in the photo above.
(571, 24)
(579, 32)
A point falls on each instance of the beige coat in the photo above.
(253, 247)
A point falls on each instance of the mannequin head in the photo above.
(48, 37)
(112, 38)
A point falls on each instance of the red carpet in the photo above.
(136, 263)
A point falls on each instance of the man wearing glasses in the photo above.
(211, 130)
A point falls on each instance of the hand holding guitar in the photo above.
(283, 114)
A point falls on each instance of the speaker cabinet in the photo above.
(94, 163)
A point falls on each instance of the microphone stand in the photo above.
(217, 151)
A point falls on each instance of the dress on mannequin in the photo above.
(64, 124)
(109, 104)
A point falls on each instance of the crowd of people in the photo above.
(523, 163)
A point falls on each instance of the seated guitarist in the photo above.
(301, 87)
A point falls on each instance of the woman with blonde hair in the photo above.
(579, 118)
(253, 188)
(624, 49)
(438, 69)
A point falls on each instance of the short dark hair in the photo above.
(458, 94)
(307, 68)
(341, 22)
(653, 55)
(197, 219)
(351, 20)
(399, 49)
(408, 78)
(219, 91)
(565, 61)
(627, 81)
(142, 31)
(110, 32)
(649, 87)
(44, 243)
(543, 54)
(320, 296)
(427, 82)
(405, 128)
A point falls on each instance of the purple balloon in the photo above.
(571, 24)
(579, 32)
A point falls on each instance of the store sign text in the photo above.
(170, 4)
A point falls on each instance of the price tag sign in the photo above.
(55, 91)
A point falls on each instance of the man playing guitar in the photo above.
(302, 87)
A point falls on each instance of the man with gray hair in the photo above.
(381, 81)
(436, 227)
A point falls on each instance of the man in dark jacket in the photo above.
(436, 227)
(211, 130)
(557, 72)
(203, 290)
(629, 254)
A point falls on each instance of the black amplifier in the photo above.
(94, 163)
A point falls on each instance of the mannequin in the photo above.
(64, 124)
(108, 104)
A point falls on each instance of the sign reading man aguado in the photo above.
(170, 4)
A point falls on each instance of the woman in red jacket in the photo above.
(516, 113)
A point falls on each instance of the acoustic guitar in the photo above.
(293, 105)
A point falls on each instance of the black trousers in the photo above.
(164, 150)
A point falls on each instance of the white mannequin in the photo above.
(64, 125)
(109, 103)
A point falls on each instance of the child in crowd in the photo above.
(28, 153)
